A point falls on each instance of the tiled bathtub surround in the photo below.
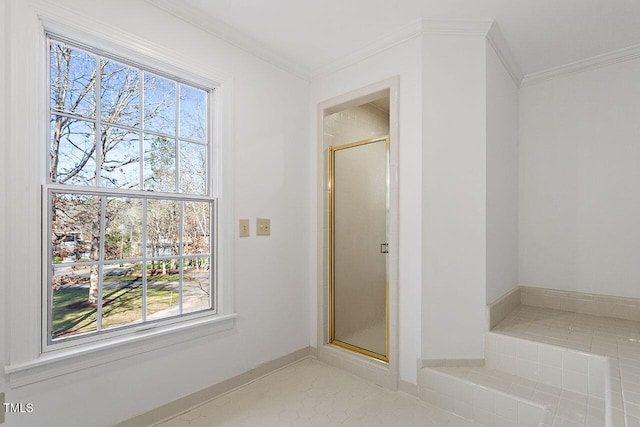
(617, 339)
(500, 309)
(578, 362)
(559, 367)
(577, 302)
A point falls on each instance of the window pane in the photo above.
(159, 164)
(193, 113)
(196, 285)
(71, 311)
(159, 104)
(193, 168)
(163, 289)
(136, 135)
(72, 79)
(196, 227)
(121, 158)
(163, 228)
(120, 95)
(121, 294)
(75, 227)
(72, 151)
(123, 228)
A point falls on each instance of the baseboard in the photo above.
(435, 363)
(624, 308)
(498, 310)
(186, 403)
(366, 367)
(407, 387)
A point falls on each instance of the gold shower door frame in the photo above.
(331, 329)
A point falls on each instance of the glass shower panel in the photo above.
(359, 236)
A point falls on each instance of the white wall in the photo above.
(579, 176)
(402, 60)
(270, 129)
(453, 196)
(502, 179)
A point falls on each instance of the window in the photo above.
(131, 209)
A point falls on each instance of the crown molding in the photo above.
(419, 27)
(380, 44)
(231, 35)
(501, 47)
(455, 27)
(426, 27)
(489, 29)
(609, 58)
(67, 23)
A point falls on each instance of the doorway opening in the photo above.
(365, 118)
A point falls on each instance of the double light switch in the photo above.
(263, 227)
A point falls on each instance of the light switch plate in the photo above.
(263, 227)
(244, 228)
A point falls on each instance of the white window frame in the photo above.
(30, 360)
(48, 344)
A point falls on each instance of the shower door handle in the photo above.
(384, 248)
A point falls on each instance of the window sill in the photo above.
(61, 362)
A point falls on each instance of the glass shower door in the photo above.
(359, 205)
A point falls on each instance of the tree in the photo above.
(82, 154)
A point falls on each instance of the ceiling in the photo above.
(309, 35)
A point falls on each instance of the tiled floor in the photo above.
(584, 332)
(310, 393)
(617, 339)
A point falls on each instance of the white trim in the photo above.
(406, 32)
(384, 374)
(56, 363)
(501, 48)
(425, 27)
(603, 60)
(66, 23)
(488, 28)
(456, 27)
(231, 35)
(48, 344)
(386, 41)
(184, 404)
(223, 126)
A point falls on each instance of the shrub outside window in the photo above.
(130, 212)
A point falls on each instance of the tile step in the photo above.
(495, 398)
(569, 350)
(573, 370)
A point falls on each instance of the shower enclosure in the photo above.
(358, 246)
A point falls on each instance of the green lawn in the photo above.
(72, 314)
